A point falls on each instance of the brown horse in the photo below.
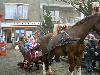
(71, 42)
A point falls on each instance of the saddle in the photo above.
(61, 40)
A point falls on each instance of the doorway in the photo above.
(7, 36)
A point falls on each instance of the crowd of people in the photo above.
(92, 53)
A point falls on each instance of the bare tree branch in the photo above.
(85, 7)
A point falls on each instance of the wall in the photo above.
(33, 8)
(36, 13)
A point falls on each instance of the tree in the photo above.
(46, 27)
(47, 24)
(83, 6)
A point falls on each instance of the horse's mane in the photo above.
(84, 20)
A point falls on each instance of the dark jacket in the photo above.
(92, 43)
(90, 54)
(98, 51)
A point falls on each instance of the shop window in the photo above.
(28, 33)
(19, 33)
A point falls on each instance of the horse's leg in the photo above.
(50, 71)
(57, 58)
(78, 65)
(72, 73)
(44, 70)
(45, 64)
(37, 65)
(78, 71)
(49, 62)
(72, 64)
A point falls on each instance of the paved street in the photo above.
(8, 66)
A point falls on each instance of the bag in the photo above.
(16, 47)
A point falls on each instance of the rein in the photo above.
(69, 40)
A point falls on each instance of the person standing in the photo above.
(92, 46)
(98, 53)
(90, 55)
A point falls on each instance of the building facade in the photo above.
(20, 18)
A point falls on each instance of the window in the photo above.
(55, 15)
(16, 11)
(10, 11)
(20, 11)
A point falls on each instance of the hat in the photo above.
(91, 36)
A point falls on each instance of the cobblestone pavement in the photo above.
(8, 66)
